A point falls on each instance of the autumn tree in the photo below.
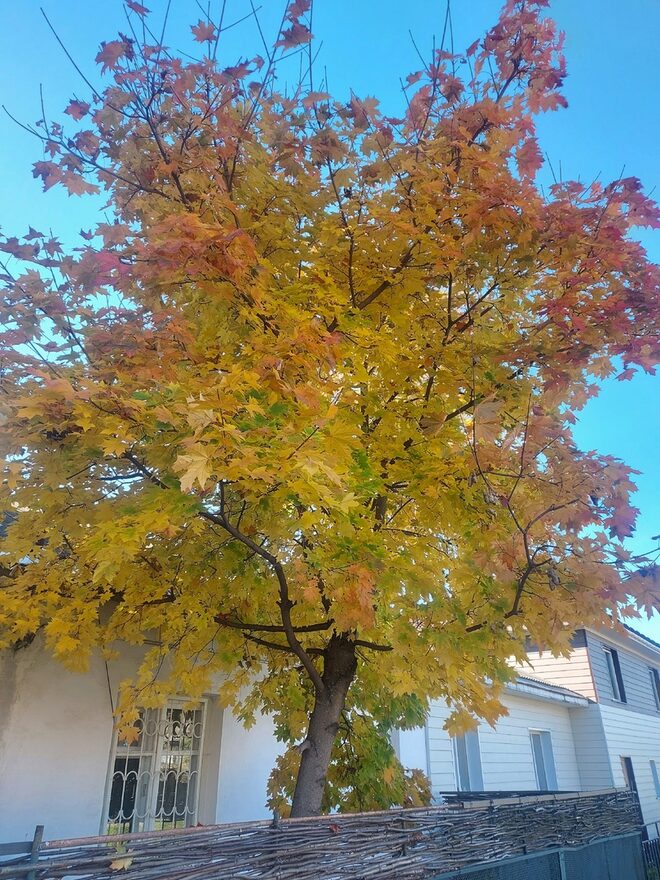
(302, 406)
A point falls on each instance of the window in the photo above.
(467, 760)
(544, 761)
(616, 679)
(655, 686)
(154, 781)
(656, 781)
(628, 773)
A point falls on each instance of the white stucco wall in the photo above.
(57, 733)
(56, 737)
(246, 759)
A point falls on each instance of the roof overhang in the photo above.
(541, 691)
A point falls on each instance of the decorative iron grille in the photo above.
(154, 781)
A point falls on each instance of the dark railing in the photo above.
(651, 849)
(453, 797)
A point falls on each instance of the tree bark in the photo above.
(340, 665)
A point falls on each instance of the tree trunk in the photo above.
(339, 669)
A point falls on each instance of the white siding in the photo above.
(634, 672)
(591, 747)
(440, 751)
(506, 752)
(635, 736)
(573, 673)
(411, 748)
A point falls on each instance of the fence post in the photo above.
(562, 865)
(36, 846)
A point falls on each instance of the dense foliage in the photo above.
(302, 409)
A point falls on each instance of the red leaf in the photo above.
(452, 89)
(473, 48)
(111, 53)
(529, 158)
(297, 8)
(49, 172)
(314, 97)
(203, 31)
(622, 521)
(86, 235)
(626, 374)
(78, 186)
(137, 8)
(334, 828)
(296, 35)
(77, 109)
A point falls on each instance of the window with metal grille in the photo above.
(467, 761)
(544, 761)
(154, 779)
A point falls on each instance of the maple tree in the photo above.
(302, 407)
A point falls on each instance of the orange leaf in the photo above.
(111, 52)
(296, 35)
(77, 109)
(203, 31)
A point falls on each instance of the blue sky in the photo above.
(612, 121)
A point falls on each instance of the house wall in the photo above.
(55, 746)
(638, 737)
(56, 737)
(573, 673)
(506, 752)
(591, 749)
(246, 759)
(635, 674)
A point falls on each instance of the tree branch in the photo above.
(285, 603)
(258, 627)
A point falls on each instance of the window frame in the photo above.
(616, 676)
(547, 757)
(155, 754)
(655, 685)
(628, 769)
(656, 778)
(472, 761)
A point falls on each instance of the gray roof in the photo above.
(641, 635)
(547, 687)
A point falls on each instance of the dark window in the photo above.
(616, 679)
(655, 685)
(656, 781)
(628, 773)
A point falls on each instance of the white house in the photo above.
(581, 724)
(61, 766)
(588, 722)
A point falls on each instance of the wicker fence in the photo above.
(393, 845)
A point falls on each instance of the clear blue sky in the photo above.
(613, 120)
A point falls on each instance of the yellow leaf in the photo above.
(194, 468)
(121, 864)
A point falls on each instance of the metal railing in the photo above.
(651, 850)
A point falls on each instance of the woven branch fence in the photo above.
(408, 844)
